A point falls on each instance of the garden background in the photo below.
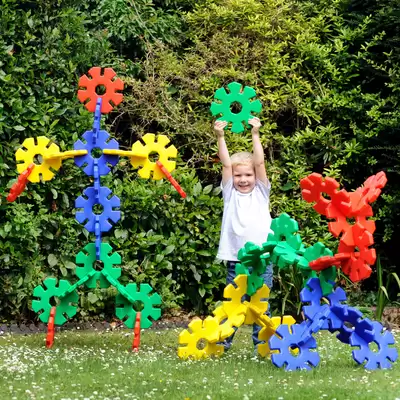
(327, 73)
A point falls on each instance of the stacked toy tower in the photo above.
(97, 209)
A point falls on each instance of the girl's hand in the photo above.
(219, 128)
(255, 123)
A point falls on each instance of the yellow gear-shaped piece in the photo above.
(227, 322)
(153, 146)
(267, 331)
(205, 333)
(259, 300)
(235, 295)
(43, 149)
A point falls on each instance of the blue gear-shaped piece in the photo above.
(101, 143)
(286, 339)
(362, 327)
(88, 214)
(315, 325)
(379, 359)
(312, 293)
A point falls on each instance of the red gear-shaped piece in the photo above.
(328, 261)
(337, 207)
(354, 253)
(357, 267)
(343, 205)
(111, 86)
(371, 188)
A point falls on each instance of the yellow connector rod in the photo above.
(123, 153)
(65, 154)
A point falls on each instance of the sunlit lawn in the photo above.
(99, 365)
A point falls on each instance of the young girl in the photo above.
(246, 216)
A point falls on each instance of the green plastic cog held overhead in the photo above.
(227, 100)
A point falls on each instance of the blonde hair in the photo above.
(242, 158)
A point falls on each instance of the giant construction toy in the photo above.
(292, 345)
(133, 300)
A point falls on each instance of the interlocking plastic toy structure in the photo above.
(203, 338)
(291, 345)
(97, 264)
(237, 95)
(354, 253)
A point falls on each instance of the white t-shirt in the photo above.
(246, 218)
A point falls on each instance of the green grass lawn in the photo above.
(99, 365)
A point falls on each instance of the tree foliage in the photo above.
(327, 73)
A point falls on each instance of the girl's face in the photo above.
(244, 178)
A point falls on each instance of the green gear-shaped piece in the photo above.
(62, 293)
(312, 253)
(307, 274)
(125, 309)
(87, 258)
(236, 95)
(284, 228)
(329, 274)
(254, 281)
(284, 255)
(255, 257)
(251, 255)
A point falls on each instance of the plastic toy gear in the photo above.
(285, 340)
(227, 322)
(236, 95)
(126, 310)
(357, 265)
(311, 297)
(234, 295)
(267, 331)
(284, 255)
(254, 281)
(102, 142)
(110, 98)
(200, 340)
(327, 277)
(284, 228)
(87, 214)
(259, 300)
(354, 317)
(60, 292)
(371, 189)
(379, 359)
(153, 146)
(325, 262)
(314, 185)
(252, 257)
(43, 147)
(87, 258)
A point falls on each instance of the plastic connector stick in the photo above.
(136, 333)
(121, 288)
(123, 153)
(96, 175)
(173, 182)
(97, 119)
(98, 237)
(50, 328)
(77, 284)
(18, 187)
(65, 154)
